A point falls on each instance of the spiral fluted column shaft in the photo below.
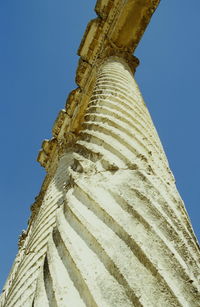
(127, 187)
(121, 236)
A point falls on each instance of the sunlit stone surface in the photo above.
(108, 228)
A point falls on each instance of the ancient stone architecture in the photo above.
(108, 228)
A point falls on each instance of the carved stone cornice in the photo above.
(115, 32)
(48, 148)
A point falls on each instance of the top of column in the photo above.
(119, 26)
(116, 31)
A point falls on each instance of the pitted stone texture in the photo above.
(120, 236)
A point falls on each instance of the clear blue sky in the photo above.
(39, 40)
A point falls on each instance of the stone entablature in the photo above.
(116, 31)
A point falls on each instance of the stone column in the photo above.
(112, 230)
(123, 237)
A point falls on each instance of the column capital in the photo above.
(110, 52)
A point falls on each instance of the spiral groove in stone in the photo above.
(116, 232)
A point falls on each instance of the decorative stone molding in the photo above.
(116, 32)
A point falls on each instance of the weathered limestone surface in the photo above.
(108, 227)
